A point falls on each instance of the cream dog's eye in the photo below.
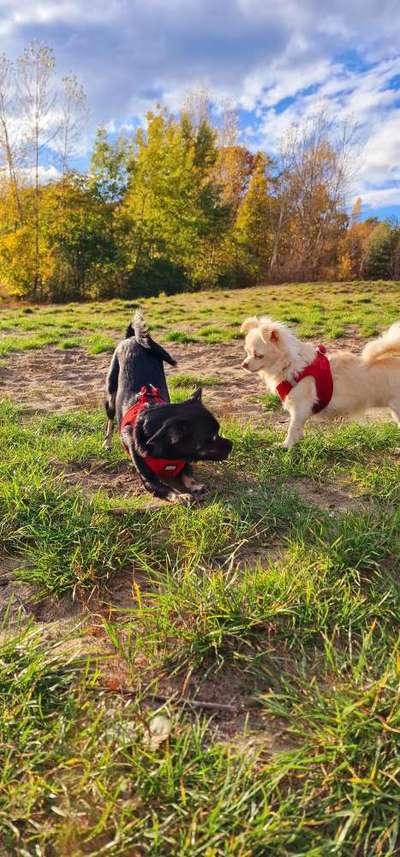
(259, 356)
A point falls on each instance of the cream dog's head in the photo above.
(267, 343)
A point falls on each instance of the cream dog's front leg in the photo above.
(295, 430)
(299, 403)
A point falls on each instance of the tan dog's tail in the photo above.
(384, 346)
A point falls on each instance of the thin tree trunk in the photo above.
(274, 256)
(11, 169)
(37, 224)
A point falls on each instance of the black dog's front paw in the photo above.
(183, 499)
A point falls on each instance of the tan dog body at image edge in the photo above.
(371, 380)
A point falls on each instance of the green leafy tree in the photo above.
(377, 263)
(172, 204)
(80, 235)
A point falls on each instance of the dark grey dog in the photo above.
(161, 439)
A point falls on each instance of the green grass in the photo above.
(264, 597)
(185, 379)
(183, 384)
(326, 310)
(270, 402)
(179, 336)
(312, 631)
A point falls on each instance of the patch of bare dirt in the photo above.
(237, 390)
(21, 600)
(126, 589)
(230, 697)
(50, 379)
(252, 556)
(329, 497)
(117, 480)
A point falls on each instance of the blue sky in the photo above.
(278, 62)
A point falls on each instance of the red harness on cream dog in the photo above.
(320, 370)
(160, 466)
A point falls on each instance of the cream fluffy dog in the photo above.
(371, 380)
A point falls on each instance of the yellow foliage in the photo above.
(345, 267)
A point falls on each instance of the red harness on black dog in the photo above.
(160, 466)
(320, 370)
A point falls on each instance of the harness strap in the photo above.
(160, 466)
(320, 370)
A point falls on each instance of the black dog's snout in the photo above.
(228, 445)
(223, 448)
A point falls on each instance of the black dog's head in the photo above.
(186, 431)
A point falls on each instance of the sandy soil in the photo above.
(50, 379)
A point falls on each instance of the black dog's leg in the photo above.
(149, 480)
(111, 392)
(189, 483)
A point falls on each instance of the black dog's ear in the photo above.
(196, 396)
(171, 432)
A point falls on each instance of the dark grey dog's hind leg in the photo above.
(111, 392)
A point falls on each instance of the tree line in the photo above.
(177, 204)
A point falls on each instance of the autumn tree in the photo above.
(315, 170)
(82, 242)
(355, 216)
(37, 102)
(352, 248)
(48, 116)
(10, 149)
(73, 110)
(180, 203)
(253, 227)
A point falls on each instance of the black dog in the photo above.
(160, 438)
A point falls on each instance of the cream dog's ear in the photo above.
(270, 333)
(248, 324)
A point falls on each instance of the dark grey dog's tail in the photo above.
(138, 328)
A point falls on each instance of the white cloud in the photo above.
(46, 174)
(381, 197)
(130, 54)
(366, 99)
(381, 155)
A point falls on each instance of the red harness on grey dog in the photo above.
(160, 466)
(320, 370)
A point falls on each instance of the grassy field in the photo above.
(223, 680)
(209, 317)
